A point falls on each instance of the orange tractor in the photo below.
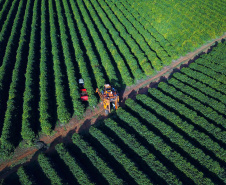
(109, 98)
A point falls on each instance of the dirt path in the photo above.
(64, 133)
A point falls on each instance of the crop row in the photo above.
(212, 65)
(176, 137)
(43, 85)
(24, 177)
(99, 163)
(5, 26)
(138, 148)
(147, 26)
(79, 55)
(48, 169)
(209, 72)
(124, 71)
(7, 135)
(151, 55)
(120, 156)
(27, 131)
(121, 44)
(135, 48)
(62, 112)
(204, 79)
(3, 11)
(183, 31)
(104, 58)
(198, 96)
(73, 82)
(201, 120)
(74, 167)
(179, 161)
(144, 33)
(98, 72)
(203, 88)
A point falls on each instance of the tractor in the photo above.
(109, 98)
(83, 92)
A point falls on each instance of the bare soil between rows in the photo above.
(64, 133)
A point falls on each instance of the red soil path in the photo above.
(64, 133)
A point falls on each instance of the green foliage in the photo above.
(79, 54)
(98, 72)
(48, 169)
(9, 16)
(120, 156)
(176, 137)
(23, 177)
(204, 79)
(126, 77)
(144, 153)
(8, 130)
(98, 162)
(197, 95)
(62, 112)
(193, 115)
(27, 131)
(76, 170)
(73, 84)
(179, 161)
(203, 88)
(186, 25)
(121, 44)
(43, 103)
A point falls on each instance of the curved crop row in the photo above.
(98, 72)
(200, 87)
(157, 37)
(174, 136)
(105, 60)
(126, 77)
(206, 112)
(145, 34)
(3, 10)
(151, 55)
(120, 156)
(75, 169)
(204, 79)
(134, 47)
(101, 165)
(5, 26)
(134, 67)
(48, 169)
(198, 95)
(148, 157)
(23, 177)
(180, 162)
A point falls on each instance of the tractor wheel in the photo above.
(106, 112)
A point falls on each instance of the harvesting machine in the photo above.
(109, 98)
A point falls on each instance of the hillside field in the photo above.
(46, 46)
(174, 134)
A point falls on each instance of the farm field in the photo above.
(46, 46)
(174, 134)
